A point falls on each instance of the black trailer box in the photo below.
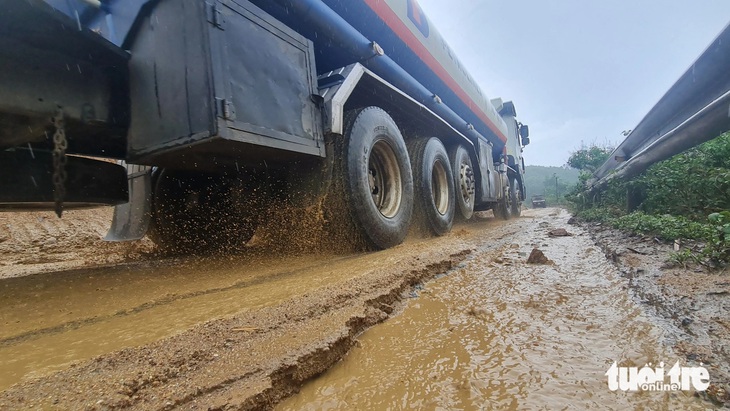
(218, 82)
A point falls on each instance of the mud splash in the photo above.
(501, 334)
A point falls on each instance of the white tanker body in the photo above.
(407, 36)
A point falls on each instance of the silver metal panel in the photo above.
(336, 96)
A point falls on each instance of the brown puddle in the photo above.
(51, 321)
(505, 335)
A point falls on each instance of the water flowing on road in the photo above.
(498, 333)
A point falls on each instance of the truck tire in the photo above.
(514, 186)
(464, 182)
(378, 180)
(433, 185)
(199, 213)
(503, 209)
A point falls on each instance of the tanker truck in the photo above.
(195, 117)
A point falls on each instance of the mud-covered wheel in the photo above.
(503, 209)
(433, 185)
(193, 212)
(464, 181)
(378, 180)
(516, 209)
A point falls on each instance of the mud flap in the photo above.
(131, 220)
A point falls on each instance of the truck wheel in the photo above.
(514, 186)
(464, 182)
(192, 212)
(503, 209)
(378, 180)
(433, 183)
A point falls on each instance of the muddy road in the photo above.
(470, 325)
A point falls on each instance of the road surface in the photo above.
(470, 325)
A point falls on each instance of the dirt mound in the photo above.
(35, 242)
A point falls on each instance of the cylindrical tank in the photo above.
(411, 41)
(402, 29)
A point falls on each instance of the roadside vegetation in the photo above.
(685, 199)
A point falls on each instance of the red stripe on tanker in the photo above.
(432, 49)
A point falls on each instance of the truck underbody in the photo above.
(203, 115)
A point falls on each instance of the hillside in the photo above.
(541, 180)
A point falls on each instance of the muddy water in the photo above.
(51, 321)
(500, 334)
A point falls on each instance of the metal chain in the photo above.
(60, 144)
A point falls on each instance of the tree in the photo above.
(589, 159)
(554, 188)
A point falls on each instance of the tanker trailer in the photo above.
(223, 109)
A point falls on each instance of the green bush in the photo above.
(718, 243)
(714, 234)
(685, 257)
(599, 214)
(684, 197)
(693, 184)
(665, 227)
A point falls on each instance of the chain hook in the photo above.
(60, 144)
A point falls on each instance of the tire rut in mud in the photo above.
(249, 361)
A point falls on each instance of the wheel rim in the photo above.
(384, 178)
(439, 188)
(466, 183)
(508, 202)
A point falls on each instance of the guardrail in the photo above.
(694, 110)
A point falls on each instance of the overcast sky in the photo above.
(577, 70)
